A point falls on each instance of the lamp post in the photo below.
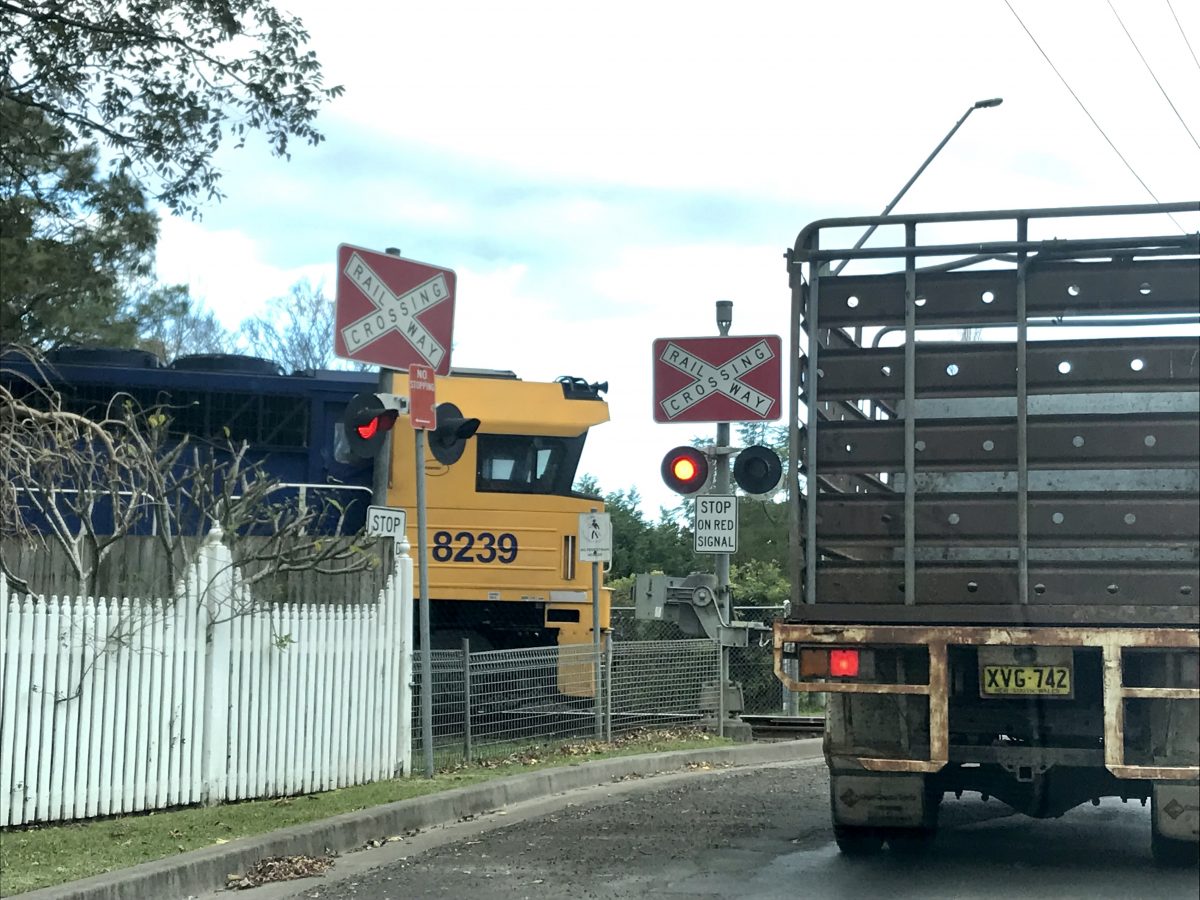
(979, 104)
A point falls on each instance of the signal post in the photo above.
(723, 380)
(399, 314)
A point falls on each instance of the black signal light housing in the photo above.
(367, 421)
(757, 470)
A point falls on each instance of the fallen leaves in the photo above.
(280, 868)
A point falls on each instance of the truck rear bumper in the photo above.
(937, 639)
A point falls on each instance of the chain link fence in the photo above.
(753, 666)
(495, 704)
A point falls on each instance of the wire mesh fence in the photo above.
(752, 667)
(497, 703)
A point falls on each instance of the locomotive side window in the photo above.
(526, 464)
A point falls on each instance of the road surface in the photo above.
(750, 834)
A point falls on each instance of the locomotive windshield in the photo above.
(527, 464)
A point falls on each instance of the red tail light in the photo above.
(843, 663)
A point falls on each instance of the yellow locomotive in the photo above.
(503, 520)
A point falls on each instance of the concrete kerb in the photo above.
(208, 869)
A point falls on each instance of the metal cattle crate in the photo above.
(997, 417)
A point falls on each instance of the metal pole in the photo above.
(382, 471)
(423, 581)
(979, 104)
(466, 654)
(721, 487)
(608, 691)
(598, 664)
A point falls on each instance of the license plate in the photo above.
(1007, 681)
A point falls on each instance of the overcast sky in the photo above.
(599, 175)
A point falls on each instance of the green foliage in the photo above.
(70, 239)
(641, 546)
(161, 84)
(762, 532)
(759, 582)
(173, 324)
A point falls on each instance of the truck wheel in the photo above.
(1171, 852)
(855, 840)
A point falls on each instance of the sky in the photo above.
(599, 175)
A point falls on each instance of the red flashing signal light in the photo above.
(685, 470)
(366, 422)
(382, 422)
(843, 663)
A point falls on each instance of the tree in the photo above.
(87, 482)
(70, 239)
(161, 83)
(296, 331)
(174, 325)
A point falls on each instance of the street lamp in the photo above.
(979, 104)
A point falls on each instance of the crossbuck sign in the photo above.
(393, 312)
(717, 379)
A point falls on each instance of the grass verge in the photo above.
(40, 856)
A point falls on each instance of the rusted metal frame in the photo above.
(956, 298)
(1111, 641)
(795, 545)
(1060, 212)
(1176, 242)
(1022, 417)
(1050, 322)
(1039, 613)
(910, 422)
(974, 635)
(988, 369)
(810, 528)
(1108, 441)
(1093, 518)
(1158, 693)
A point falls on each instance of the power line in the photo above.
(1152, 75)
(1183, 34)
(1120, 155)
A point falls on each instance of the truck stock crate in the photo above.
(996, 419)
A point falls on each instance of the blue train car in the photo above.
(290, 422)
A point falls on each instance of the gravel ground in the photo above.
(749, 833)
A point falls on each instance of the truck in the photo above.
(996, 551)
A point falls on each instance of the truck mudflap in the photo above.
(1112, 642)
(1177, 811)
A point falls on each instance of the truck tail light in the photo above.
(839, 662)
(843, 663)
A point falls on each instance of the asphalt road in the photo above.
(748, 833)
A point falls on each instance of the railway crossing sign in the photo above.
(393, 312)
(718, 379)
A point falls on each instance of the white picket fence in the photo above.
(112, 706)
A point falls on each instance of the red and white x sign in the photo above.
(717, 379)
(393, 312)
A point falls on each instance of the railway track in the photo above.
(784, 728)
